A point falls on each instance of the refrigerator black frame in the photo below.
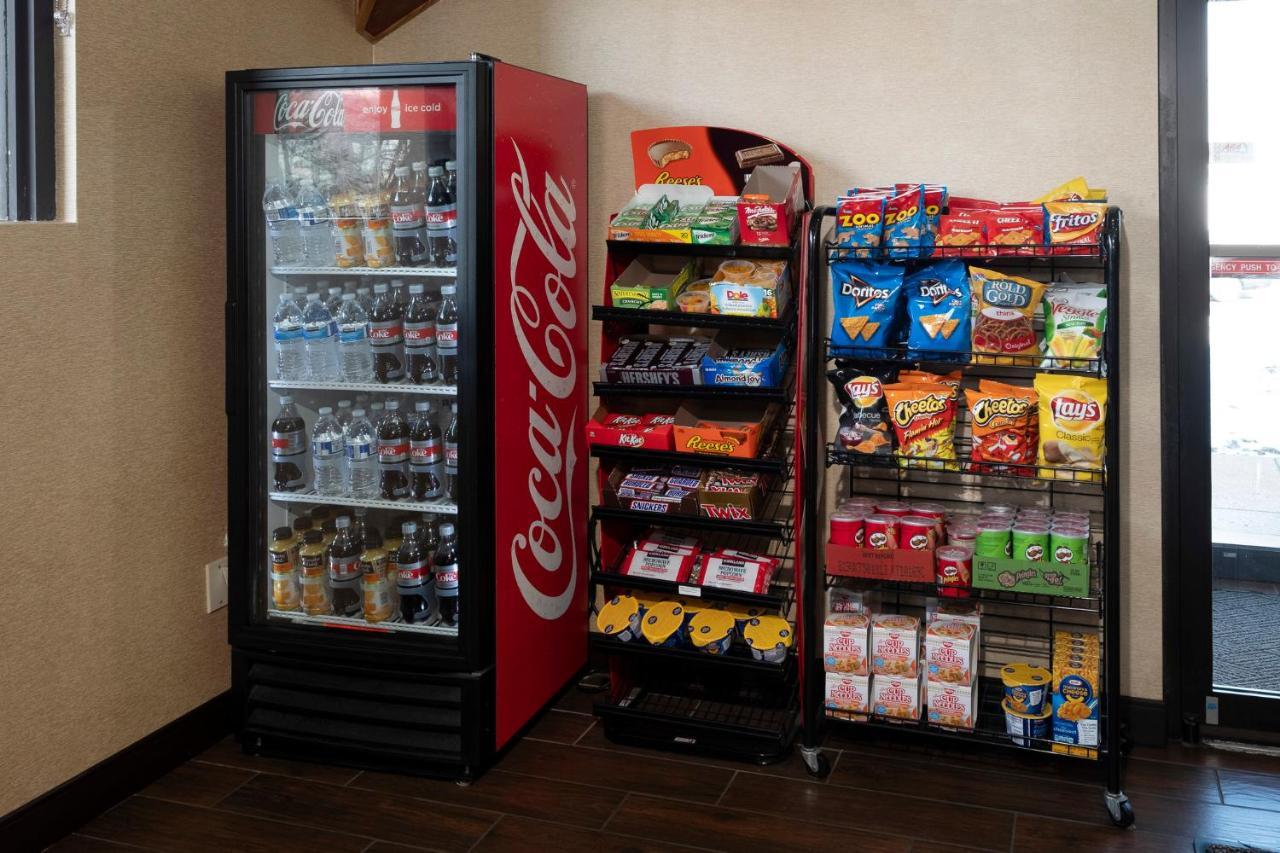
(472, 654)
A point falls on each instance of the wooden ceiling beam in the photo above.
(375, 19)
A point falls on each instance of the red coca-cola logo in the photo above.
(319, 109)
(543, 313)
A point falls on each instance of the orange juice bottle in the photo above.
(315, 576)
(378, 603)
(285, 594)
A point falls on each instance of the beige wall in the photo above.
(114, 476)
(997, 98)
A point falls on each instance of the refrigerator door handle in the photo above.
(228, 319)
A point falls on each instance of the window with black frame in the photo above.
(27, 81)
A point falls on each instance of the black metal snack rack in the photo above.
(730, 705)
(1015, 625)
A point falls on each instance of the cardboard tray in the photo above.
(1070, 580)
(734, 431)
(894, 564)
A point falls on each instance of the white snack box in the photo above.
(951, 706)
(895, 697)
(951, 651)
(844, 644)
(895, 645)
(848, 693)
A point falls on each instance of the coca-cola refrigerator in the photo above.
(406, 325)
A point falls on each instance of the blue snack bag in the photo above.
(906, 227)
(939, 312)
(865, 296)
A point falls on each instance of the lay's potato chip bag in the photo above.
(864, 424)
(939, 310)
(1073, 419)
(865, 297)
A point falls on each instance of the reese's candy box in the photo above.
(866, 297)
(906, 229)
(1073, 418)
(939, 309)
(860, 223)
(864, 423)
(924, 419)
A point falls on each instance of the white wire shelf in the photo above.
(352, 272)
(374, 387)
(356, 624)
(310, 497)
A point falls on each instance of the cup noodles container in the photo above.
(951, 651)
(847, 528)
(895, 645)
(711, 631)
(848, 693)
(917, 533)
(620, 618)
(844, 643)
(897, 508)
(951, 706)
(896, 697)
(769, 638)
(880, 532)
(953, 570)
(663, 625)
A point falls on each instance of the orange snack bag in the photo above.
(1000, 421)
(1072, 226)
(924, 420)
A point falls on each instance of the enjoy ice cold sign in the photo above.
(367, 110)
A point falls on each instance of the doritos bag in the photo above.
(924, 420)
(866, 297)
(1005, 306)
(864, 425)
(860, 223)
(938, 310)
(1000, 421)
(905, 224)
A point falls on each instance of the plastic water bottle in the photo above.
(344, 413)
(287, 324)
(332, 295)
(362, 457)
(327, 448)
(313, 215)
(354, 356)
(319, 333)
(299, 297)
(283, 227)
(364, 295)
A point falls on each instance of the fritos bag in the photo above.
(1073, 419)
(1000, 423)
(1074, 227)
(864, 424)
(860, 223)
(905, 223)
(924, 419)
(1005, 306)
(1076, 189)
(865, 296)
(939, 309)
(1075, 319)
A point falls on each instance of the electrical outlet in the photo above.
(215, 585)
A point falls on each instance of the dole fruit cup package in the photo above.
(939, 308)
(865, 297)
(1073, 418)
(1003, 321)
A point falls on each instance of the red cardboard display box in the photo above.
(631, 426)
(724, 430)
(892, 564)
(769, 204)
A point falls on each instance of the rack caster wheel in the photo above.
(816, 762)
(1120, 809)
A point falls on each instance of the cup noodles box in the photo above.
(658, 360)
(951, 651)
(661, 213)
(631, 428)
(651, 283)
(895, 645)
(844, 643)
(896, 697)
(768, 205)
(951, 706)
(725, 429)
(730, 495)
(848, 693)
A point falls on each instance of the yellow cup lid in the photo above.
(766, 632)
(710, 626)
(616, 615)
(662, 620)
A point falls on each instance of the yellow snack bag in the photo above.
(1073, 417)
(1076, 189)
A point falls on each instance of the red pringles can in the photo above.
(881, 531)
(894, 508)
(847, 528)
(953, 571)
(917, 533)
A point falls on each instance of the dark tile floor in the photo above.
(566, 788)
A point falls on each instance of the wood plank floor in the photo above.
(567, 788)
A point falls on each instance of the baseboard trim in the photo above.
(1146, 719)
(72, 804)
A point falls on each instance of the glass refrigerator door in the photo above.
(358, 261)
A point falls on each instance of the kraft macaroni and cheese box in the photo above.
(1077, 692)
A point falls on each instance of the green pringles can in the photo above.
(1069, 544)
(1031, 541)
(992, 539)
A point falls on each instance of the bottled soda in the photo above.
(344, 570)
(420, 337)
(420, 184)
(447, 335)
(287, 331)
(386, 334)
(348, 234)
(425, 453)
(413, 576)
(285, 594)
(283, 227)
(429, 533)
(300, 527)
(355, 356)
(327, 449)
(313, 215)
(399, 295)
(393, 454)
(445, 566)
(332, 295)
(407, 220)
(451, 178)
(343, 414)
(319, 334)
(314, 575)
(362, 452)
(442, 221)
(288, 444)
(375, 211)
(451, 454)
(377, 412)
(366, 534)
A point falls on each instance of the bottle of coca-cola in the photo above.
(393, 454)
(407, 220)
(451, 454)
(445, 566)
(447, 335)
(386, 336)
(413, 576)
(420, 337)
(426, 456)
(442, 221)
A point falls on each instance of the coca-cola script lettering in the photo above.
(306, 110)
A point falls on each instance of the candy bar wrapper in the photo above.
(673, 568)
(663, 548)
